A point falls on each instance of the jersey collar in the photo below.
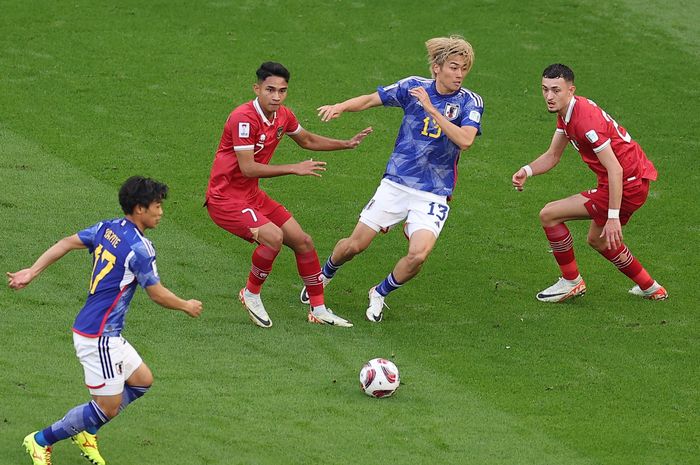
(433, 86)
(258, 109)
(570, 110)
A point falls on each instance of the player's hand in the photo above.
(193, 308)
(422, 95)
(309, 167)
(19, 279)
(612, 232)
(519, 179)
(359, 137)
(329, 112)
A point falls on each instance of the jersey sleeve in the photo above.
(592, 127)
(243, 131)
(395, 95)
(473, 110)
(143, 265)
(88, 236)
(292, 127)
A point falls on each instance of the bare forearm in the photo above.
(321, 143)
(363, 102)
(615, 190)
(168, 299)
(259, 170)
(463, 139)
(544, 163)
(55, 253)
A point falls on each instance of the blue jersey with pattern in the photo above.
(122, 257)
(424, 158)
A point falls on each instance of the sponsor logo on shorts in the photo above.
(120, 368)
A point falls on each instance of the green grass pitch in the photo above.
(93, 92)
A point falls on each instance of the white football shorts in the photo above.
(393, 203)
(107, 362)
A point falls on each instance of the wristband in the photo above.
(613, 213)
(528, 170)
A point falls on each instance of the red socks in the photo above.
(263, 257)
(563, 249)
(310, 272)
(630, 266)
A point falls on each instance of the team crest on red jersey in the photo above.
(451, 110)
(280, 131)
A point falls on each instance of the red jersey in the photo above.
(590, 130)
(247, 128)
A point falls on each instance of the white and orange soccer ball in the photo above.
(379, 378)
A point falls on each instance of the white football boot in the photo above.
(304, 296)
(325, 316)
(375, 311)
(256, 309)
(562, 290)
(655, 292)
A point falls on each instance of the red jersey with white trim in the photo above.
(590, 130)
(247, 128)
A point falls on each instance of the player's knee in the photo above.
(110, 409)
(416, 259)
(354, 247)
(598, 243)
(273, 238)
(547, 215)
(307, 243)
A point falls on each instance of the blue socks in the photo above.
(131, 393)
(76, 420)
(86, 417)
(389, 284)
(330, 268)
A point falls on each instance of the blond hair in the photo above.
(441, 48)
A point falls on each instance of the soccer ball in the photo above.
(379, 378)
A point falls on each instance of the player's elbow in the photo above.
(465, 144)
(247, 171)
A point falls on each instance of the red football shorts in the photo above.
(238, 217)
(634, 195)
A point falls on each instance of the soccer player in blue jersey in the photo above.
(123, 259)
(441, 119)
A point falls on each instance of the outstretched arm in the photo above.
(252, 169)
(543, 163)
(166, 298)
(22, 278)
(363, 102)
(311, 141)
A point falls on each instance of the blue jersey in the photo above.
(424, 158)
(122, 257)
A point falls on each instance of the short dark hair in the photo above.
(558, 70)
(138, 190)
(270, 68)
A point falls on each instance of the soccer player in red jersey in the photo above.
(237, 204)
(623, 172)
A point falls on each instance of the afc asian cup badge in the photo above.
(451, 111)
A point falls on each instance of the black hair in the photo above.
(558, 70)
(138, 190)
(270, 68)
